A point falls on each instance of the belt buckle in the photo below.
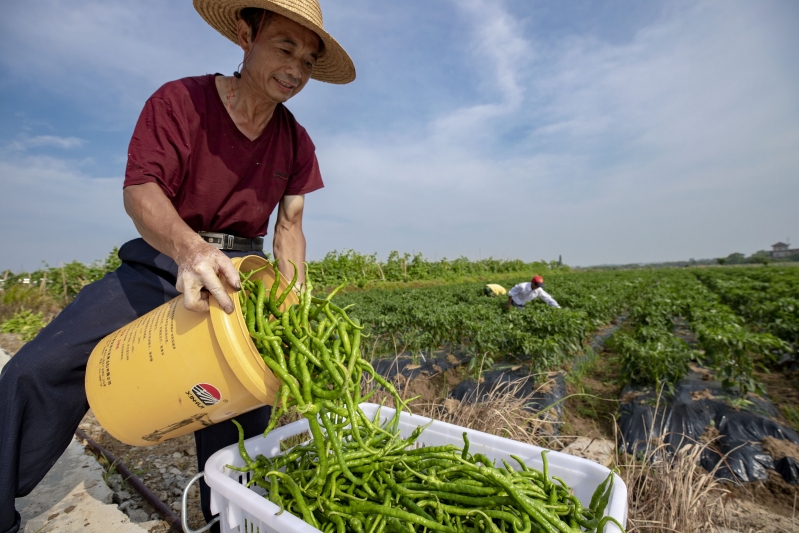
(216, 240)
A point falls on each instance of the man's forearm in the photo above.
(289, 242)
(289, 245)
(157, 221)
(549, 300)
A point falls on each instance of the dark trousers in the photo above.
(42, 394)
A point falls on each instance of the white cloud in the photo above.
(676, 144)
(51, 211)
(39, 141)
(109, 55)
(502, 55)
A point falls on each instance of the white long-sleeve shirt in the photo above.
(524, 292)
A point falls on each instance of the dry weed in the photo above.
(671, 492)
(502, 414)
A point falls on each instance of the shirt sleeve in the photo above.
(305, 175)
(159, 148)
(549, 300)
(515, 290)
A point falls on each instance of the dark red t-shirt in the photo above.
(217, 178)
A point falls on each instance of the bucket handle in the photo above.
(184, 503)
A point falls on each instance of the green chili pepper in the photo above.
(290, 286)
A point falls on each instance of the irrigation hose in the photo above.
(131, 479)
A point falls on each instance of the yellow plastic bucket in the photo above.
(174, 371)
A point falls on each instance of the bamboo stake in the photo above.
(382, 276)
(64, 282)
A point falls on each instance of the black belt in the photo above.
(225, 241)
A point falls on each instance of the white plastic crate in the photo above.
(246, 510)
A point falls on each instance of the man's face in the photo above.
(281, 62)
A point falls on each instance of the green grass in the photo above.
(791, 414)
(24, 323)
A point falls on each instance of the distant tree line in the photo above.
(54, 286)
(761, 257)
(360, 269)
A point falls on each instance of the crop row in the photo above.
(651, 354)
(420, 320)
(768, 298)
(727, 340)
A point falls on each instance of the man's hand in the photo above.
(200, 270)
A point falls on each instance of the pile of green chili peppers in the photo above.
(360, 476)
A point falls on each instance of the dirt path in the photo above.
(74, 497)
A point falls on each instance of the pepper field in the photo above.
(550, 376)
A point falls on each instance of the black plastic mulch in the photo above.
(411, 368)
(684, 416)
(518, 380)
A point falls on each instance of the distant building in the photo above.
(782, 250)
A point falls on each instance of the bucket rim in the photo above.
(234, 338)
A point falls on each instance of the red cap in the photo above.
(538, 279)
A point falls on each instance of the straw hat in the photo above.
(334, 66)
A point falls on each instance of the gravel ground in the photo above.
(165, 469)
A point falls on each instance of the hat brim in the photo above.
(333, 66)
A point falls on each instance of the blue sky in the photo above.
(608, 132)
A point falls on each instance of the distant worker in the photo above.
(492, 289)
(528, 291)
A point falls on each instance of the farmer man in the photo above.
(525, 292)
(210, 159)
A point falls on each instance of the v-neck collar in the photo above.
(223, 109)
